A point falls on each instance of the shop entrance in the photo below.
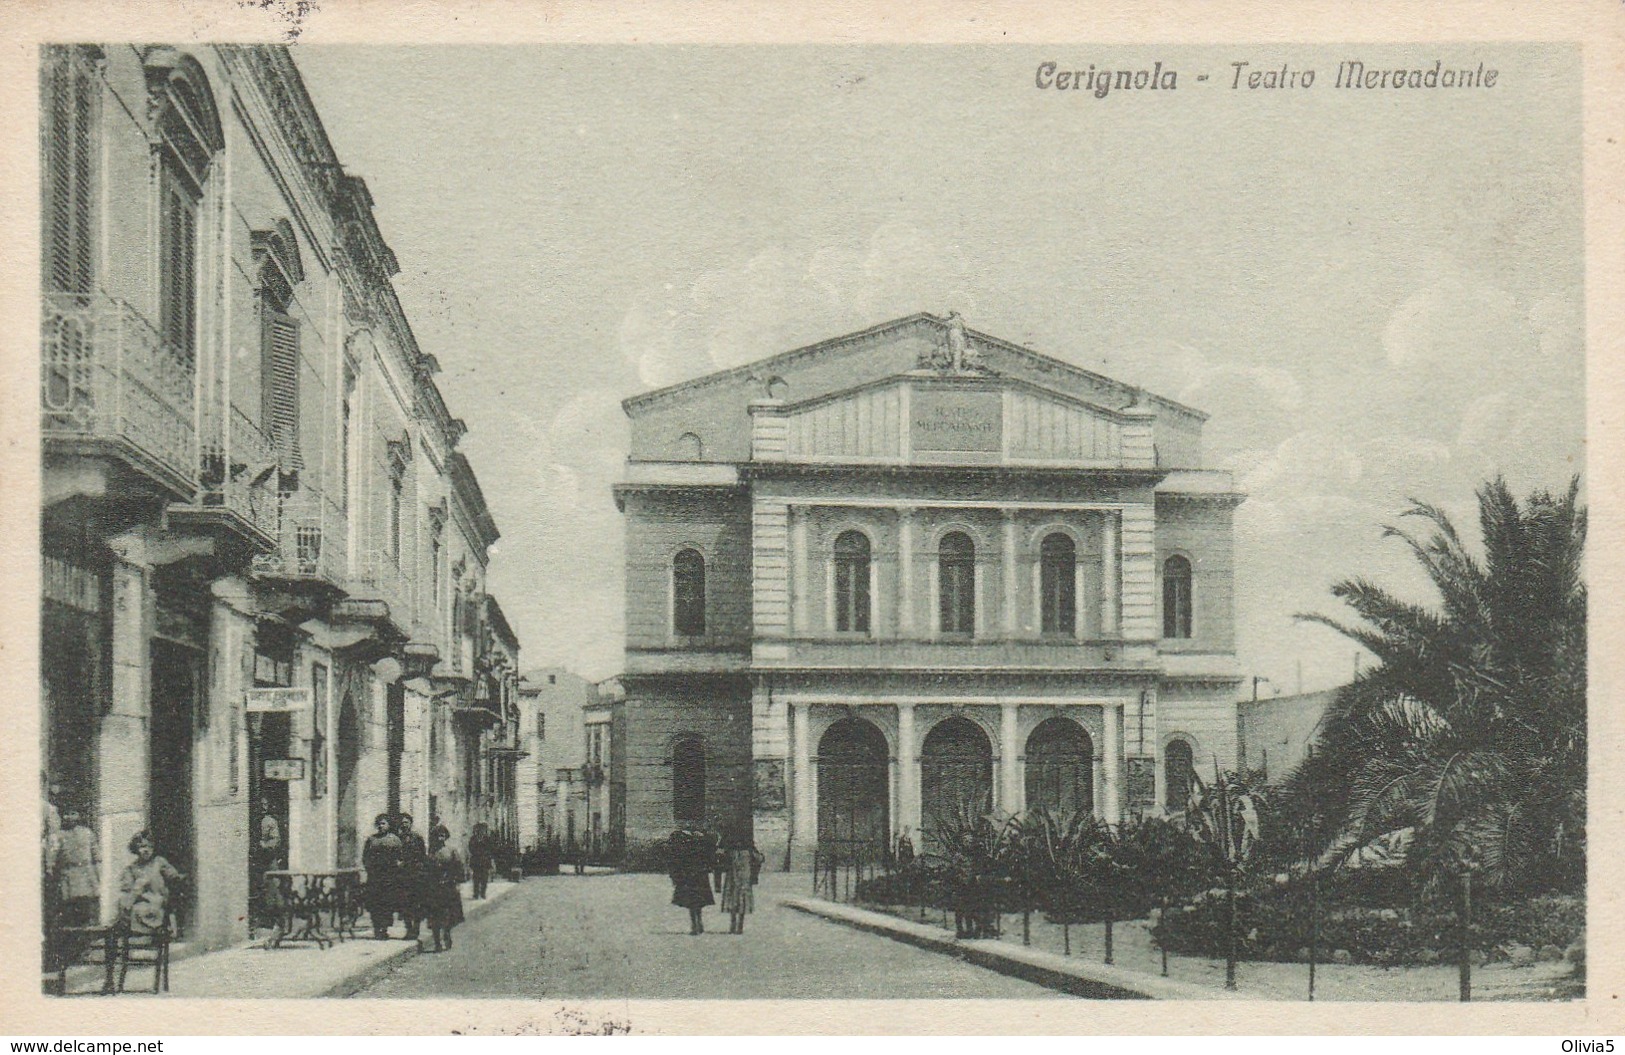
(70, 687)
(348, 758)
(175, 687)
(269, 736)
(853, 770)
(395, 733)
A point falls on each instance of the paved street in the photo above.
(618, 937)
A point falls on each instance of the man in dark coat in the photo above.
(413, 875)
(690, 858)
(481, 854)
(381, 857)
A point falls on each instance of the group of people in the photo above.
(697, 859)
(417, 881)
(70, 862)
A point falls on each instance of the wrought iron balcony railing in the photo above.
(379, 578)
(310, 540)
(107, 377)
(239, 472)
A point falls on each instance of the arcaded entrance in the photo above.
(1060, 768)
(853, 788)
(956, 775)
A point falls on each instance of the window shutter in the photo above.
(280, 381)
(70, 113)
(79, 269)
(178, 321)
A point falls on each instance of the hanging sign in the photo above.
(263, 701)
(283, 769)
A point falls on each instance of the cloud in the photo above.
(1558, 320)
(583, 450)
(1303, 514)
(1454, 319)
(1305, 462)
(779, 298)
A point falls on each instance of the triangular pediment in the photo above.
(901, 345)
(917, 390)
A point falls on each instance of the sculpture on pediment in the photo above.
(956, 354)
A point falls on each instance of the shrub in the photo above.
(541, 859)
(916, 884)
(1275, 924)
(644, 856)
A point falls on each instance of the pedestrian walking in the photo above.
(145, 888)
(481, 853)
(412, 890)
(719, 862)
(739, 878)
(78, 872)
(688, 862)
(381, 857)
(443, 872)
(905, 849)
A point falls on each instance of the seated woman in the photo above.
(144, 888)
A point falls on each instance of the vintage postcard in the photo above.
(596, 520)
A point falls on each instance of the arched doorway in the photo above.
(1060, 768)
(1178, 774)
(688, 779)
(348, 760)
(853, 792)
(956, 775)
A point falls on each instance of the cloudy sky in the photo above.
(1374, 294)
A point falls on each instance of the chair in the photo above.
(147, 950)
(73, 946)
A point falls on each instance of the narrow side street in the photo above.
(618, 936)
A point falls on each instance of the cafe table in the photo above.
(306, 896)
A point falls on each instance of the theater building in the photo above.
(907, 572)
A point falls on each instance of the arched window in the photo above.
(956, 583)
(688, 593)
(1178, 774)
(188, 133)
(690, 448)
(279, 367)
(688, 779)
(852, 582)
(276, 254)
(1057, 583)
(1176, 597)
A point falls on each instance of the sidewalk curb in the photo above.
(1063, 973)
(383, 965)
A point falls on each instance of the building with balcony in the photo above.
(263, 557)
(912, 571)
(567, 775)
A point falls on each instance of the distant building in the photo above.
(1274, 733)
(495, 712)
(555, 703)
(912, 570)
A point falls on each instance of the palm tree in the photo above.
(1466, 743)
